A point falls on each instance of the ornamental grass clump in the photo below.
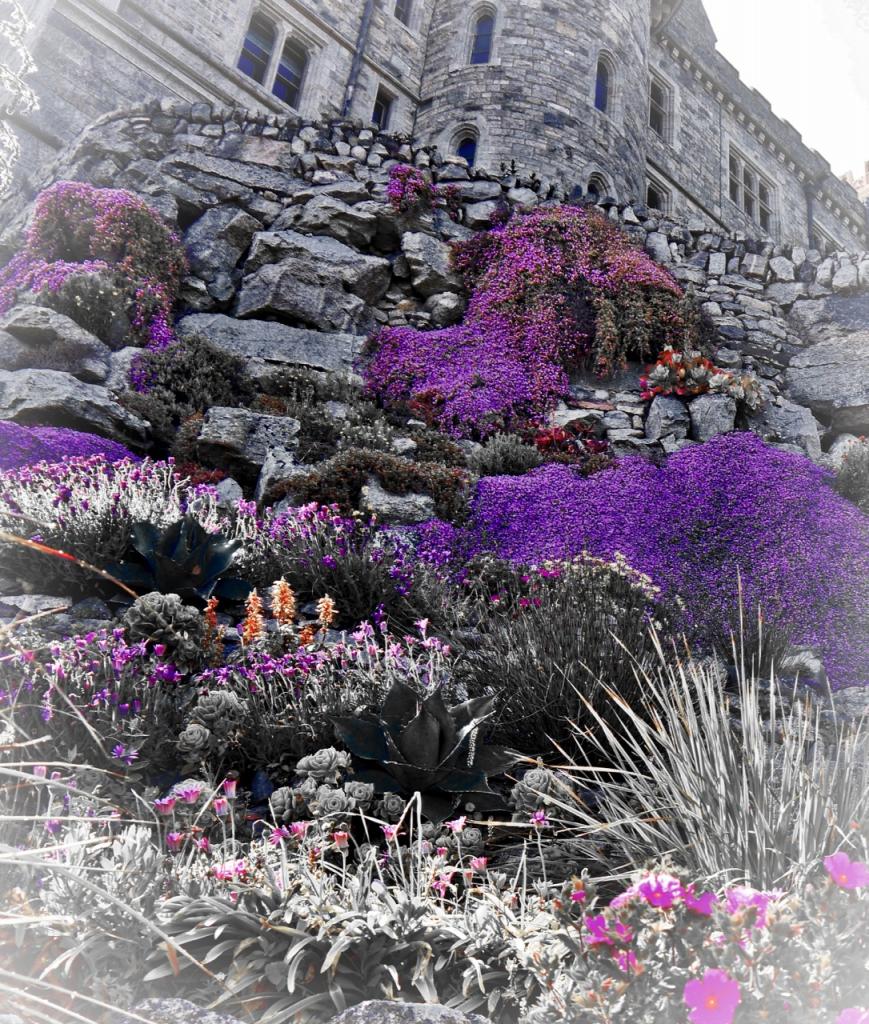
(78, 232)
(742, 787)
(550, 290)
(727, 522)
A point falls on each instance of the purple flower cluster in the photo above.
(728, 514)
(25, 446)
(79, 229)
(539, 283)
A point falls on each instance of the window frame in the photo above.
(388, 99)
(606, 61)
(596, 178)
(269, 54)
(301, 49)
(478, 15)
(665, 109)
(751, 191)
(286, 35)
(665, 194)
(408, 12)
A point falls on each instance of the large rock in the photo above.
(175, 1011)
(846, 278)
(280, 467)
(327, 215)
(313, 281)
(267, 346)
(59, 399)
(381, 1012)
(40, 338)
(832, 379)
(397, 509)
(239, 440)
(712, 415)
(667, 417)
(218, 240)
(429, 261)
(787, 425)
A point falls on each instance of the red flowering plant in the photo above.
(666, 949)
(80, 233)
(689, 373)
(550, 290)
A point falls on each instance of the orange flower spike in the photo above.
(326, 611)
(211, 614)
(283, 603)
(306, 636)
(253, 625)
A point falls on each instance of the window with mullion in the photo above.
(403, 9)
(256, 53)
(659, 109)
(481, 47)
(751, 192)
(290, 74)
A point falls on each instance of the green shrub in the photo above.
(186, 378)
(545, 641)
(505, 455)
(340, 481)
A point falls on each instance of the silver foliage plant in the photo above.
(16, 97)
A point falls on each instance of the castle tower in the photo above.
(562, 85)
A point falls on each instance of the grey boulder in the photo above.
(429, 261)
(832, 379)
(381, 1012)
(267, 346)
(175, 1011)
(667, 417)
(218, 240)
(328, 215)
(788, 425)
(59, 399)
(239, 440)
(396, 509)
(712, 415)
(41, 338)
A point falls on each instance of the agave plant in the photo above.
(419, 745)
(183, 559)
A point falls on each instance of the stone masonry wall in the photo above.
(296, 256)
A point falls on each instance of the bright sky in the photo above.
(810, 58)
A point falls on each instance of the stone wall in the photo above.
(296, 256)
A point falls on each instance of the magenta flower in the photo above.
(660, 891)
(189, 794)
(539, 819)
(203, 844)
(702, 904)
(457, 825)
(577, 896)
(743, 896)
(847, 873)
(279, 834)
(221, 806)
(713, 998)
(230, 788)
(341, 839)
(40, 771)
(390, 832)
(164, 805)
(479, 863)
(174, 840)
(299, 829)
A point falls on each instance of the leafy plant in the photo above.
(852, 480)
(418, 744)
(183, 559)
(504, 455)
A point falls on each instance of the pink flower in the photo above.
(341, 839)
(701, 904)
(660, 891)
(627, 961)
(390, 832)
(230, 788)
(600, 932)
(279, 834)
(40, 771)
(299, 829)
(174, 840)
(539, 819)
(230, 870)
(456, 826)
(165, 805)
(203, 844)
(847, 873)
(853, 1015)
(220, 806)
(479, 863)
(189, 794)
(741, 896)
(713, 998)
(577, 896)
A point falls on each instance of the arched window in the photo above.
(603, 85)
(467, 148)
(481, 41)
(256, 53)
(403, 10)
(291, 73)
(597, 186)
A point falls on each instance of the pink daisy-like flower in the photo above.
(847, 873)
(164, 805)
(457, 826)
(189, 794)
(700, 904)
(660, 891)
(539, 819)
(479, 863)
(278, 834)
(299, 829)
(713, 998)
(174, 840)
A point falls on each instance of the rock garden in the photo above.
(426, 595)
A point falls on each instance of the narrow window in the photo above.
(382, 109)
(749, 198)
(481, 46)
(291, 73)
(735, 184)
(467, 148)
(602, 86)
(257, 50)
(656, 198)
(751, 192)
(659, 108)
(403, 10)
(764, 201)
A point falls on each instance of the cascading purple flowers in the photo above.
(728, 513)
(548, 289)
(25, 446)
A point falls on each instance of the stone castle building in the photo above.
(625, 98)
(860, 185)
